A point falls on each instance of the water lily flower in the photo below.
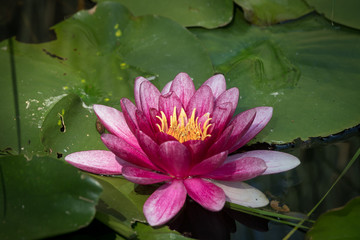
(182, 137)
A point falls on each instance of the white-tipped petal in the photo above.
(243, 194)
(275, 161)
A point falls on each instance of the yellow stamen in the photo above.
(183, 128)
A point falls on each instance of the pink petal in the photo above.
(175, 158)
(149, 96)
(138, 82)
(207, 194)
(168, 102)
(165, 203)
(183, 87)
(95, 161)
(150, 148)
(129, 111)
(197, 148)
(231, 95)
(275, 161)
(208, 165)
(220, 118)
(114, 122)
(240, 170)
(242, 122)
(221, 143)
(217, 84)
(141, 176)
(144, 124)
(161, 137)
(243, 194)
(202, 100)
(127, 152)
(263, 116)
(166, 88)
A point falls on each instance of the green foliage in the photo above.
(306, 70)
(340, 223)
(345, 12)
(265, 12)
(43, 197)
(189, 13)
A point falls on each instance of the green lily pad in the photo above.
(189, 13)
(306, 70)
(267, 12)
(145, 232)
(340, 223)
(96, 56)
(44, 197)
(343, 12)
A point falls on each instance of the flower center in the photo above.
(183, 128)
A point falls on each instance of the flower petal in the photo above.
(221, 142)
(217, 84)
(263, 116)
(137, 84)
(141, 176)
(144, 124)
(166, 88)
(114, 121)
(231, 95)
(197, 148)
(243, 194)
(168, 102)
(151, 149)
(95, 161)
(127, 152)
(275, 161)
(165, 203)
(175, 158)
(240, 170)
(220, 118)
(207, 194)
(129, 111)
(208, 165)
(149, 96)
(202, 100)
(242, 122)
(183, 87)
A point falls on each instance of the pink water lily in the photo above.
(182, 137)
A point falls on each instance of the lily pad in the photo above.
(44, 197)
(267, 12)
(306, 70)
(189, 13)
(343, 12)
(96, 56)
(341, 223)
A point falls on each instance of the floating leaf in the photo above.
(267, 12)
(189, 13)
(96, 56)
(343, 12)
(340, 223)
(43, 197)
(307, 70)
